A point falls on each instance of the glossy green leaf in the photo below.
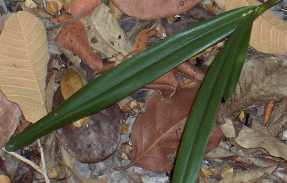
(230, 58)
(134, 73)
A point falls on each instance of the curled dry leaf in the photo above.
(73, 37)
(268, 31)
(261, 81)
(105, 34)
(252, 175)
(151, 9)
(157, 133)
(261, 140)
(278, 119)
(10, 114)
(23, 66)
(79, 6)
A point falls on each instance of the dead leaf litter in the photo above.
(137, 139)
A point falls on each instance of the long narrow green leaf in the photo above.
(239, 62)
(205, 107)
(134, 73)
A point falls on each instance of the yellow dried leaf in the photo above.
(23, 63)
(269, 32)
(115, 11)
(71, 83)
(81, 122)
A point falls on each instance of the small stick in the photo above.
(70, 21)
(31, 163)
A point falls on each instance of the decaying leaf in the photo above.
(157, 133)
(274, 146)
(261, 81)
(268, 31)
(278, 119)
(150, 9)
(79, 6)
(115, 11)
(23, 66)
(105, 34)
(73, 37)
(98, 139)
(168, 81)
(253, 175)
(10, 114)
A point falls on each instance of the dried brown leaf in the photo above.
(73, 37)
(112, 43)
(156, 134)
(98, 139)
(78, 6)
(269, 31)
(253, 175)
(151, 9)
(10, 114)
(261, 140)
(71, 83)
(24, 57)
(261, 81)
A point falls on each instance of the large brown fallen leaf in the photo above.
(23, 63)
(154, 9)
(269, 32)
(73, 37)
(98, 139)
(157, 133)
(10, 114)
(261, 81)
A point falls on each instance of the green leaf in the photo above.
(229, 59)
(207, 102)
(133, 74)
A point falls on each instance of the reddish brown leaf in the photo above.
(167, 81)
(268, 109)
(73, 37)
(190, 71)
(156, 134)
(10, 114)
(78, 6)
(142, 38)
(152, 9)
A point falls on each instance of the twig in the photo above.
(70, 21)
(31, 163)
(70, 169)
(43, 167)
